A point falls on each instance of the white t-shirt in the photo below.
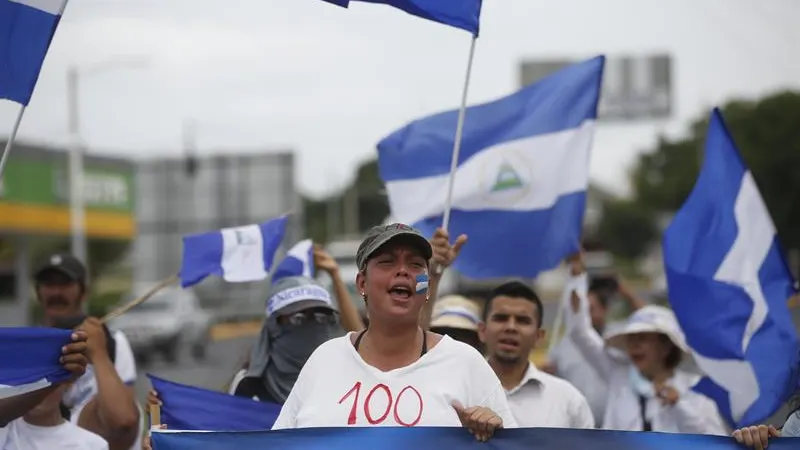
(20, 435)
(85, 388)
(337, 388)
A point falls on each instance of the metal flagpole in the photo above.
(457, 142)
(10, 142)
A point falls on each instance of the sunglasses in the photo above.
(304, 317)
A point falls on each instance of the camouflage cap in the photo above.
(379, 235)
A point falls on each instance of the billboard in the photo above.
(34, 194)
(634, 87)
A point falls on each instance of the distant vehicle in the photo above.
(166, 323)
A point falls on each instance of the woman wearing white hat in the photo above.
(458, 317)
(647, 389)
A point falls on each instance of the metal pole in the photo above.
(76, 193)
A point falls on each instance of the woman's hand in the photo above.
(667, 394)
(152, 398)
(756, 436)
(479, 420)
(146, 445)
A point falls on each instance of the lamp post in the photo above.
(76, 172)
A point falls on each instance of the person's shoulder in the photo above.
(560, 385)
(454, 350)
(92, 441)
(120, 338)
(332, 348)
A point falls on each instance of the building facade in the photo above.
(180, 196)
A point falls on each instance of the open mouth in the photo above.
(508, 344)
(637, 358)
(400, 292)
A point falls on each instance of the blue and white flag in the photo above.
(191, 408)
(26, 30)
(520, 186)
(30, 359)
(729, 285)
(436, 438)
(299, 262)
(463, 14)
(238, 254)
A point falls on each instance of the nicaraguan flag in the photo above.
(190, 408)
(520, 186)
(26, 30)
(463, 14)
(238, 254)
(299, 262)
(728, 284)
(436, 438)
(30, 359)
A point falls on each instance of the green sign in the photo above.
(45, 183)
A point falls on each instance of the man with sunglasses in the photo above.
(300, 316)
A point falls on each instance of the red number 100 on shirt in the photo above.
(378, 417)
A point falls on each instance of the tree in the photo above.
(627, 229)
(768, 136)
(372, 204)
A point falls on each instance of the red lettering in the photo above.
(392, 405)
(368, 408)
(420, 407)
(351, 419)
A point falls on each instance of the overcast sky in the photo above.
(329, 83)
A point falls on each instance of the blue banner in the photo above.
(191, 408)
(431, 438)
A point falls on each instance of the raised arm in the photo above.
(444, 254)
(112, 413)
(579, 326)
(351, 319)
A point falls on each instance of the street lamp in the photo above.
(76, 175)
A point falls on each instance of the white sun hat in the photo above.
(456, 311)
(650, 319)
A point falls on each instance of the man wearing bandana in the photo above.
(300, 317)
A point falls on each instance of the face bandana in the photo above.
(641, 385)
(290, 348)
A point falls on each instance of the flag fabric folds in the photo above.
(30, 359)
(299, 262)
(238, 254)
(729, 285)
(462, 14)
(433, 438)
(191, 408)
(522, 175)
(26, 30)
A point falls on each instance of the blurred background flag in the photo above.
(191, 408)
(522, 174)
(30, 359)
(26, 30)
(299, 262)
(729, 285)
(463, 14)
(238, 254)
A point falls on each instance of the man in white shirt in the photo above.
(44, 428)
(511, 327)
(103, 399)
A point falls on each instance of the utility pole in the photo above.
(76, 175)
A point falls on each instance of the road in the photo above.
(219, 367)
